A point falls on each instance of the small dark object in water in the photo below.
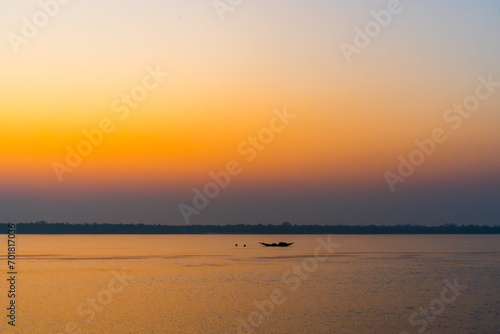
(244, 245)
(236, 245)
(281, 244)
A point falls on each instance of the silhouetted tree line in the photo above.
(43, 227)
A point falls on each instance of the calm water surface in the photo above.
(206, 284)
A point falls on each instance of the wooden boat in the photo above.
(281, 244)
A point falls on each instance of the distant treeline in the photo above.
(43, 227)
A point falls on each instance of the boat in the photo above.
(281, 244)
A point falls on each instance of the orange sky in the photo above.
(225, 79)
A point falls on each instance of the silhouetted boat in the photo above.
(281, 244)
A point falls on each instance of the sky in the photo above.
(311, 112)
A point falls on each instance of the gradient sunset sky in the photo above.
(226, 80)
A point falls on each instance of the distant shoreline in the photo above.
(285, 228)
